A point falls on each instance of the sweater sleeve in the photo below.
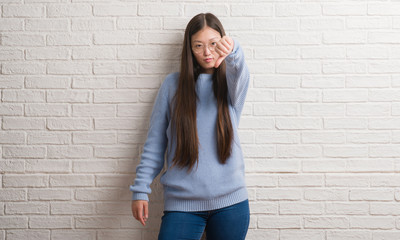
(152, 157)
(237, 77)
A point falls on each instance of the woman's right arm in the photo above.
(152, 158)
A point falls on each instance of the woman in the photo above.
(196, 115)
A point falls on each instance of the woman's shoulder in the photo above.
(171, 80)
(170, 83)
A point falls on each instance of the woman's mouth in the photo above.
(208, 60)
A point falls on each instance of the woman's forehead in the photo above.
(206, 34)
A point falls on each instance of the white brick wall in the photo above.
(319, 131)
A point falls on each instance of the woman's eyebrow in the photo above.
(201, 41)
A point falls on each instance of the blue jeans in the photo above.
(229, 222)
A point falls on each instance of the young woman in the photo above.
(195, 116)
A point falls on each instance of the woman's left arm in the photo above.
(237, 76)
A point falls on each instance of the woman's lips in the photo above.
(208, 60)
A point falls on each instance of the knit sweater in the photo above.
(210, 185)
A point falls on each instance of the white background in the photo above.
(320, 130)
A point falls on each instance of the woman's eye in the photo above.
(198, 46)
(214, 43)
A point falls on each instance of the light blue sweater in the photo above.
(211, 185)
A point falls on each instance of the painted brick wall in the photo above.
(320, 130)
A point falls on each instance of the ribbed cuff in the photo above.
(140, 196)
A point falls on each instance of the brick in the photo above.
(23, 123)
(22, 39)
(115, 96)
(11, 25)
(370, 22)
(301, 180)
(112, 180)
(26, 208)
(67, 124)
(42, 110)
(50, 222)
(372, 222)
(94, 137)
(220, 10)
(278, 222)
(273, 109)
(23, 152)
(371, 194)
(253, 180)
(69, 10)
(336, 68)
(348, 235)
(138, 82)
(126, 233)
(92, 24)
(11, 109)
(71, 151)
(262, 234)
(94, 53)
(11, 82)
(115, 10)
(97, 222)
(48, 53)
(93, 82)
(26, 10)
(278, 194)
(47, 82)
(295, 10)
(28, 234)
(152, 9)
(119, 123)
(23, 68)
(12, 137)
(139, 23)
(56, 25)
(73, 234)
(276, 165)
(344, 208)
(384, 209)
(252, 10)
(344, 180)
(264, 208)
(69, 39)
(296, 208)
(71, 180)
(288, 234)
(74, 68)
(48, 138)
(49, 194)
(23, 96)
(160, 38)
(327, 194)
(12, 166)
(91, 110)
(115, 38)
(46, 166)
(11, 195)
(13, 222)
(98, 166)
(25, 181)
(114, 68)
(72, 96)
(98, 195)
(115, 152)
(383, 9)
(382, 235)
(72, 208)
(326, 222)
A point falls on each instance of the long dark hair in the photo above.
(184, 103)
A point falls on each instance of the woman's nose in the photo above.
(206, 51)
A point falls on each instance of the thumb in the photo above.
(219, 61)
(146, 211)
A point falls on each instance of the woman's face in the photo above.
(203, 48)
